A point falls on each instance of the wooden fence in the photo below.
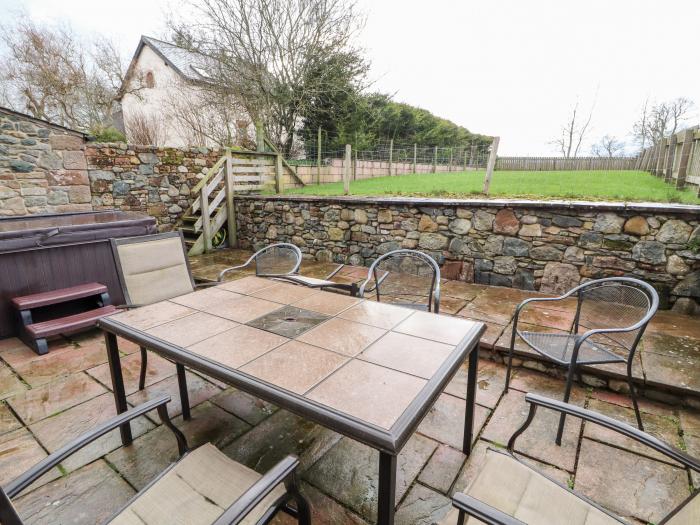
(565, 164)
(676, 159)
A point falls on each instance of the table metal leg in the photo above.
(472, 373)
(184, 396)
(115, 370)
(387, 489)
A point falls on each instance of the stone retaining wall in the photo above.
(148, 179)
(547, 246)
(42, 167)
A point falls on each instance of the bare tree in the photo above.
(49, 73)
(608, 146)
(574, 132)
(144, 129)
(265, 51)
(661, 120)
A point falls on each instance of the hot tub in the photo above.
(47, 252)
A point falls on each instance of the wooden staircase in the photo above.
(211, 218)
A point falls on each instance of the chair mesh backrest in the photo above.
(277, 260)
(613, 304)
(410, 277)
(154, 270)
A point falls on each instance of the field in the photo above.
(586, 185)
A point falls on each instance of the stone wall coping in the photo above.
(653, 207)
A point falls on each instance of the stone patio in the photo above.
(47, 400)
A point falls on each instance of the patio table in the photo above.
(367, 370)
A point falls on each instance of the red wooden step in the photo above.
(36, 300)
(69, 323)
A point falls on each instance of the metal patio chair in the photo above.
(407, 278)
(611, 316)
(153, 268)
(203, 487)
(275, 260)
(508, 491)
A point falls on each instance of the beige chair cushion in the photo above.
(511, 487)
(195, 492)
(154, 270)
(689, 513)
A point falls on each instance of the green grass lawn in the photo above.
(587, 185)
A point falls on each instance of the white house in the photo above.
(164, 101)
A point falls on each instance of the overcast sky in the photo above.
(510, 68)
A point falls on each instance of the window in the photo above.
(150, 80)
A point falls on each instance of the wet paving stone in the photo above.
(8, 422)
(690, 421)
(538, 440)
(681, 372)
(673, 324)
(461, 289)
(628, 484)
(250, 409)
(10, 384)
(692, 447)
(422, 506)
(558, 319)
(663, 427)
(442, 468)
(444, 422)
(56, 431)
(19, 451)
(89, 495)
(485, 314)
(279, 435)
(51, 398)
(198, 390)
(157, 370)
(152, 452)
(491, 379)
(349, 471)
(326, 511)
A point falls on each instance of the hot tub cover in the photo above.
(42, 231)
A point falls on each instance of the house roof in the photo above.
(41, 121)
(191, 66)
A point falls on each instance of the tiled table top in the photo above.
(365, 359)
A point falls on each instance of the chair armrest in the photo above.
(436, 297)
(27, 478)
(252, 497)
(226, 270)
(629, 431)
(483, 512)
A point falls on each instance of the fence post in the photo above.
(279, 184)
(685, 155)
(230, 204)
(354, 166)
(435, 159)
(259, 136)
(670, 158)
(465, 159)
(660, 158)
(472, 154)
(491, 164)
(449, 167)
(206, 220)
(415, 156)
(318, 157)
(346, 169)
(391, 155)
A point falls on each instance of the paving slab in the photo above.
(54, 432)
(629, 484)
(349, 471)
(422, 506)
(279, 435)
(327, 511)
(19, 451)
(157, 370)
(198, 390)
(444, 422)
(8, 421)
(538, 440)
(682, 373)
(442, 469)
(51, 398)
(692, 447)
(10, 383)
(153, 451)
(491, 379)
(250, 409)
(89, 495)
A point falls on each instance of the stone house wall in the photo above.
(148, 179)
(42, 167)
(547, 246)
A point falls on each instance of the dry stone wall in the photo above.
(547, 246)
(42, 167)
